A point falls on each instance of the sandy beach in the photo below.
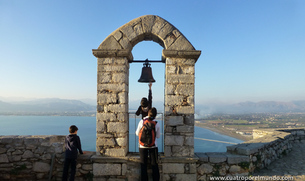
(224, 131)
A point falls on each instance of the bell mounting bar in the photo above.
(150, 61)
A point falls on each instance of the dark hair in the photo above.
(144, 102)
(152, 113)
(73, 129)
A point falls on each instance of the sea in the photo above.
(59, 125)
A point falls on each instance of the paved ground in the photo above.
(291, 165)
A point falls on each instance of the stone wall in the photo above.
(30, 157)
(41, 158)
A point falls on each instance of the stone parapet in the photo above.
(269, 146)
(31, 157)
(214, 164)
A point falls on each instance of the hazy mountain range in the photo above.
(46, 106)
(252, 107)
(63, 105)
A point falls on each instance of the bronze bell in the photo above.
(146, 75)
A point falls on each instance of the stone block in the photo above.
(105, 142)
(181, 43)
(125, 43)
(100, 126)
(100, 108)
(112, 60)
(147, 23)
(117, 35)
(180, 79)
(123, 97)
(173, 168)
(183, 151)
(169, 89)
(121, 141)
(103, 117)
(190, 100)
(185, 110)
(41, 167)
(164, 31)
(106, 169)
(167, 151)
(203, 157)
(112, 87)
(234, 169)
(189, 141)
(87, 167)
(106, 98)
(170, 39)
(138, 29)
(116, 108)
(158, 25)
(205, 168)
(189, 120)
(128, 32)
(17, 152)
(173, 100)
(171, 69)
(15, 158)
(119, 78)
(110, 43)
(173, 120)
(235, 159)
(104, 77)
(123, 117)
(174, 140)
(112, 68)
(28, 154)
(184, 177)
(31, 141)
(217, 157)
(185, 89)
(4, 158)
(116, 152)
(188, 69)
(3, 150)
(185, 129)
(117, 127)
(193, 168)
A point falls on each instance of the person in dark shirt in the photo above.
(73, 146)
(145, 104)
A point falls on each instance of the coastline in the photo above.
(224, 131)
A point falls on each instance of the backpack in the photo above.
(147, 134)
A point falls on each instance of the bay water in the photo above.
(59, 125)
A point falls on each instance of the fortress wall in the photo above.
(35, 158)
(41, 157)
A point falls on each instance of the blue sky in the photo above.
(251, 50)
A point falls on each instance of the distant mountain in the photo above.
(252, 107)
(56, 105)
(46, 106)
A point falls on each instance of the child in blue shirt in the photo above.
(73, 146)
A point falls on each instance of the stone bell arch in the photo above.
(113, 56)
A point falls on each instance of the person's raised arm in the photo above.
(149, 96)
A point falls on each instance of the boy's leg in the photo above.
(153, 152)
(143, 161)
(73, 169)
(66, 169)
